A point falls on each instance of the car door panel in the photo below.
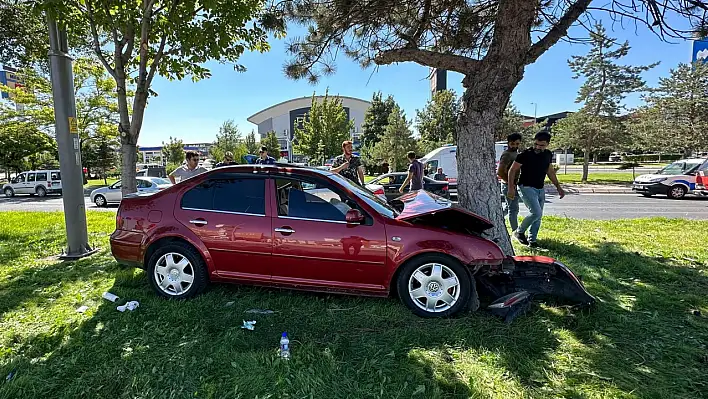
(313, 252)
(240, 243)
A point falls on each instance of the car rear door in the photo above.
(314, 246)
(228, 213)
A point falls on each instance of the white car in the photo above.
(675, 180)
(113, 195)
(39, 182)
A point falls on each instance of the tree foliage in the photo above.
(270, 141)
(511, 122)
(99, 153)
(136, 41)
(676, 116)
(251, 144)
(229, 139)
(395, 143)
(19, 140)
(606, 85)
(437, 121)
(325, 128)
(376, 118)
(173, 151)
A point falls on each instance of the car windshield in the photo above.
(158, 180)
(680, 168)
(372, 200)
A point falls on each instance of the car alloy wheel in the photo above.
(177, 270)
(677, 192)
(174, 274)
(99, 200)
(9, 192)
(436, 285)
(41, 191)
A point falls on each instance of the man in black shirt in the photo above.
(534, 164)
(349, 165)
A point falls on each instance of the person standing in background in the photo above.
(349, 165)
(415, 174)
(511, 206)
(228, 160)
(264, 158)
(440, 176)
(191, 168)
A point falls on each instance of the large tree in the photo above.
(396, 141)
(228, 139)
(173, 151)
(436, 122)
(19, 140)
(676, 116)
(376, 118)
(325, 128)
(490, 42)
(271, 143)
(136, 41)
(606, 85)
(251, 144)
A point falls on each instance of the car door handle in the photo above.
(284, 230)
(198, 222)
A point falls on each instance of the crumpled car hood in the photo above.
(421, 207)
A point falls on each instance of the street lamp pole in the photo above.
(535, 108)
(67, 137)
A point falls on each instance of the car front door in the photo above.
(314, 246)
(114, 194)
(19, 185)
(228, 213)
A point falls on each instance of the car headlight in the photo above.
(657, 179)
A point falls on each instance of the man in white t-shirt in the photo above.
(192, 168)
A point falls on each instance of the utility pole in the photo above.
(67, 136)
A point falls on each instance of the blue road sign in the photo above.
(700, 51)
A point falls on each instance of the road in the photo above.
(584, 206)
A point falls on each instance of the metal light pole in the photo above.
(535, 108)
(66, 131)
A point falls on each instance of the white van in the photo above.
(39, 182)
(446, 157)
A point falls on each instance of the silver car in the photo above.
(113, 195)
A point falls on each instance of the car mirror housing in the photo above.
(354, 216)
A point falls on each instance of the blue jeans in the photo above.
(511, 206)
(534, 199)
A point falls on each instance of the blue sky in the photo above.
(193, 112)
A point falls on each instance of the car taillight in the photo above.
(445, 188)
(49, 184)
(119, 222)
(379, 191)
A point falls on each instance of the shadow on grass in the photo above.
(630, 345)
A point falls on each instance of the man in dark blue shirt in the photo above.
(415, 174)
(264, 158)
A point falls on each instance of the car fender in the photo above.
(180, 232)
(684, 182)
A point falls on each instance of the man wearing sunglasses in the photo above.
(189, 169)
(264, 158)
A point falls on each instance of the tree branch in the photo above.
(558, 31)
(97, 44)
(450, 62)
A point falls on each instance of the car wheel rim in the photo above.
(677, 192)
(100, 201)
(174, 274)
(434, 287)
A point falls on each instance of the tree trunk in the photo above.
(586, 165)
(129, 142)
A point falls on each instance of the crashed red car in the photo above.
(310, 229)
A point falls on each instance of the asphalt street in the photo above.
(583, 206)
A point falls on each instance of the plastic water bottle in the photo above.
(284, 346)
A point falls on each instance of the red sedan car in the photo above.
(311, 229)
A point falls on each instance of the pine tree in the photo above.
(606, 85)
(376, 118)
(270, 141)
(396, 141)
(251, 144)
(228, 139)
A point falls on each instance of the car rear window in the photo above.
(42, 176)
(239, 195)
(56, 175)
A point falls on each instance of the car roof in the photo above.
(276, 168)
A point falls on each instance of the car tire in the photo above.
(41, 192)
(677, 192)
(425, 281)
(9, 192)
(100, 201)
(177, 271)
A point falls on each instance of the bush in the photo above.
(651, 157)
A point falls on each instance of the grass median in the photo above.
(642, 340)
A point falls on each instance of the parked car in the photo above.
(309, 229)
(153, 171)
(112, 194)
(34, 182)
(391, 183)
(675, 180)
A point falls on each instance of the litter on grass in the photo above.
(132, 305)
(249, 325)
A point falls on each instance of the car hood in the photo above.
(649, 177)
(421, 207)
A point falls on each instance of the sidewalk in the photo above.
(592, 189)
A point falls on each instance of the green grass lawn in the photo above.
(641, 341)
(596, 177)
(99, 182)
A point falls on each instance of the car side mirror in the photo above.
(354, 216)
(14, 181)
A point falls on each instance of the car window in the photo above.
(379, 205)
(238, 195)
(143, 183)
(115, 185)
(401, 178)
(30, 177)
(310, 200)
(56, 175)
(160, 181)
(431, 166)
(675, 168)
(21, 178)
(42, 176)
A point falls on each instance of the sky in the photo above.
(193, 111)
